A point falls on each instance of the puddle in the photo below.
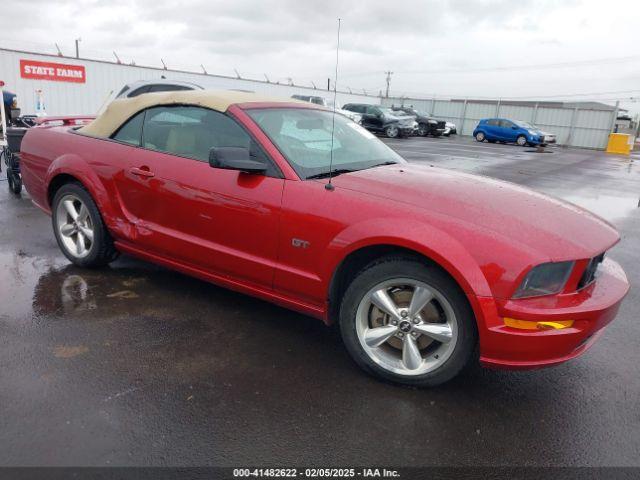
(609, 207)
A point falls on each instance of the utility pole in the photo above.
(78, 40)
(389, 73)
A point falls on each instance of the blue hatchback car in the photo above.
(504, 130)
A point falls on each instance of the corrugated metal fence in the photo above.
(576, 127)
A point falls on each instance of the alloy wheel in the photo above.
(406, 326)
(392, 132)
(75, 227)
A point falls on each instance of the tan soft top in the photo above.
(121, 110)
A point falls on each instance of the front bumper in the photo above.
(591, 309)
(541, 139)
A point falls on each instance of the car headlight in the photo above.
(433, 122)
(14, 103)
(545, 279)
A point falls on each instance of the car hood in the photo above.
(553, 228)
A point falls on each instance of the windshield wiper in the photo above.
(334, 173)
(383, 164)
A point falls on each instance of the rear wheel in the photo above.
(521, 140)
(79, 229)
(407, 322)
(480, 137)
(15, 181)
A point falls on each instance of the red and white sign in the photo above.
(56, 72)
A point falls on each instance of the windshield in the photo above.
(525, 124)
(304, 138)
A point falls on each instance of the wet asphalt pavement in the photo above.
(137, 365)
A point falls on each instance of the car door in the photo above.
(374, 115)
(367, 119)
(492, 128)
(508, 133)
(223, 221)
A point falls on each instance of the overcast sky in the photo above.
(472, 48)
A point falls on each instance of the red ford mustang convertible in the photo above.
(424, 269)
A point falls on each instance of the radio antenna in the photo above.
(329, 186)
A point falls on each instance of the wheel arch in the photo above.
(457, 264)
(72, 168)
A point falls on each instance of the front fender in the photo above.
(431, 242)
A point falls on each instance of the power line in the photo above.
(501, 68)
(592, 94)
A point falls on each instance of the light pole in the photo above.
(78, 40)
(389, 73)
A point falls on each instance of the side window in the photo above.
(193, 131)
(131, 131)
(506, 124)
(373, 111)
(168, 88)
(493, 122)
(139, 91)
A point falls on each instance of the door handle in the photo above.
(142, 172)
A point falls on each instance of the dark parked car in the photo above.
(427, 125)
(383, 120)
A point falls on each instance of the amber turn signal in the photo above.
(531, 325)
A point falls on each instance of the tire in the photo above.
(423, 130)
(401, 277)
(480, 137)
(100, 250)
(521, 141)
(392, 131)
(15, 183)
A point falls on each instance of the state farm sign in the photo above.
(57, 72)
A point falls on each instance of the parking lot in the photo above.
(138, 365)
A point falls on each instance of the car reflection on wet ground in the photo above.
(138, 365)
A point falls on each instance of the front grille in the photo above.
(441, 125)
(589, 274)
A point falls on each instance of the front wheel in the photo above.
(521, 141)
(407, 322)
(480, 137)
(391, 131)
(423, 129)
(80, 232)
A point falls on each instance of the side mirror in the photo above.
(234, 158)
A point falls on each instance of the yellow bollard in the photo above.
(619, 143)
